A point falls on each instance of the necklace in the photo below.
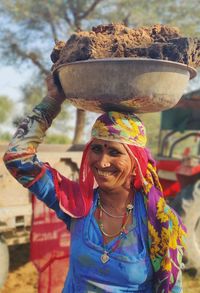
(107, 213)
(121, 233)
(129, 207)
(101, 226)
(105, 256)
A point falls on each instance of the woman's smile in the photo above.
(105, 173)
(110, 163)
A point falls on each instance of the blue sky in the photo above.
(11, 79)
(10, 82)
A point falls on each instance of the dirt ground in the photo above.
(23, 275)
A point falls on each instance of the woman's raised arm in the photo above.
(21, 158)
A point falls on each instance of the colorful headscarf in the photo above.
(121, 127)
(165, 229)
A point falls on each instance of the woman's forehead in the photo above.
(108, 143)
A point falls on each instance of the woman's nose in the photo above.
(104, 161)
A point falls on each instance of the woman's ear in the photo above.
(133, 172)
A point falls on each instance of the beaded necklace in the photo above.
(121, 233)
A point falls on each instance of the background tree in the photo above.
(6, 107)
(29, 29)
(181, 13)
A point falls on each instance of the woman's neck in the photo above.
(116, 199)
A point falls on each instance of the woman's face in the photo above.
(111, 164)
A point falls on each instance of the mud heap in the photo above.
(116, 40)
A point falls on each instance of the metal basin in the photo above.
(124, 84)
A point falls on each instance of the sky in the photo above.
(11, 80)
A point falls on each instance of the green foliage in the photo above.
(29, 30)
(181, 13)
(33, 93)
(62, 122)
(6, 107)
(5, 137)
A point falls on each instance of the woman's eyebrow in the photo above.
(115, 148)
(110, 148)
(96, 145)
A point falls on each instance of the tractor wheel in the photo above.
(4, 261)
(187, 205)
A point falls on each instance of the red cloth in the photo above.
(49, 248)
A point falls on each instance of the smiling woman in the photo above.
(124, 238)
(110, 164)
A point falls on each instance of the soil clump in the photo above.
(117, 40)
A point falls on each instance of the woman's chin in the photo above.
(106, 186)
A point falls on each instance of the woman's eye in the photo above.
(96, 148)
(114, 152)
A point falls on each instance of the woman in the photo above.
(124, 238)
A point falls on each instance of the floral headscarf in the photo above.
(125, 128)
(165, 229)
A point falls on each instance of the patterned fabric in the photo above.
(166, 233)
(121, 127)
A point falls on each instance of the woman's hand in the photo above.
(53, 90)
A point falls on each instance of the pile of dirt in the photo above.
(116, 40)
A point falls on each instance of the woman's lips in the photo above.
(104, 173)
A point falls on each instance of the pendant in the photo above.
(129, 207)
(105, 257)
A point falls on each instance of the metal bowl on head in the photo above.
(137, 85)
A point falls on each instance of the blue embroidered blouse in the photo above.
(129, 267)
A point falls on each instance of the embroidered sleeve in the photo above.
(20, 158)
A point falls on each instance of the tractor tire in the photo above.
(4, 261)
(187, 205)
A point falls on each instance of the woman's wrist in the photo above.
(49, 108)
(54, 91)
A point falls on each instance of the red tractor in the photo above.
(178, 164)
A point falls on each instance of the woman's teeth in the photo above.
(104, 173)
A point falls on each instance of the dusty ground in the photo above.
(23, 276)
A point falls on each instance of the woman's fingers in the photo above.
(53, 90)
